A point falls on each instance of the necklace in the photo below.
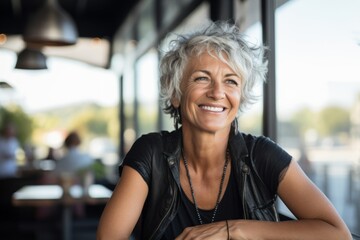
(227, 157)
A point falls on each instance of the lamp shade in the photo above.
(51, 26)
(31, 59)
(5, 85)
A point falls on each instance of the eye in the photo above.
(232, 82)
(202, 78)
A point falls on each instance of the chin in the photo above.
(216, 128)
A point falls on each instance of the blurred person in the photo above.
(74, 167)
(73, 160)
(206, 179)
(9, 145)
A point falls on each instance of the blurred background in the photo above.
(98, 76)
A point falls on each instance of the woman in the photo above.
(207, 180)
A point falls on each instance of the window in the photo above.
(318, 87)
(250, 121)
(147, 91)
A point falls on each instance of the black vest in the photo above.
(164, 190)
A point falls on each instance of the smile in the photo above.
(212, 109)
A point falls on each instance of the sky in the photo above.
(317, 61)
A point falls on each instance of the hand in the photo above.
(216, 230)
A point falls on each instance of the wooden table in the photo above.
(50, 195)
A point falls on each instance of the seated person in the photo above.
(74, 159)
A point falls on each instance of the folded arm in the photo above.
(317, 218)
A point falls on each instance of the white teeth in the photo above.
(213, 109)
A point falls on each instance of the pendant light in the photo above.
(5, 85)
(51, 26)
(31, 59)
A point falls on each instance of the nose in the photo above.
(216, 90)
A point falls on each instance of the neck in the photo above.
(204, 150)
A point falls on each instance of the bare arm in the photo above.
(124, 207)
(317, 218)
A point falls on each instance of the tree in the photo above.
(333, 120)
(304, 119)
(23, 122)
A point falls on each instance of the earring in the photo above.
(235, 125)
(177, 119)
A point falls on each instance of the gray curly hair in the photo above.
(222, 40)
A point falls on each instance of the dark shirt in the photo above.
(187, 216)
(270, 160)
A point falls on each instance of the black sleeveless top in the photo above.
(186, 215)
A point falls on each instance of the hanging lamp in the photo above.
(51, 26)
(31, 59)
(5, 85)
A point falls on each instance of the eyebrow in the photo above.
(208, 73)
(202, 71)
(231, 75)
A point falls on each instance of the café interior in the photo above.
(119, 43)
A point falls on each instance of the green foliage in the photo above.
(95, 121)
(334, 120)
(97, 126)
(22, 121)
(329, 121)
(304, 119)
(89, 120)
(98, 170)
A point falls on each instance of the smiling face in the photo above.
(211, 93)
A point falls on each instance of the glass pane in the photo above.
(129, 101)
(318, 89)
(250, 120)
(147, 90)
(247, 18)
(146, 26)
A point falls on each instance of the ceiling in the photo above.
(93, 18)
(97, 19)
